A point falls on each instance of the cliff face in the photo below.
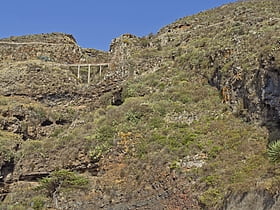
(252, 200)
(179, 119)
(237, 50)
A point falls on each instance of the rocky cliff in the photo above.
(176, 120)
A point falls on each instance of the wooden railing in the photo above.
(88, 65)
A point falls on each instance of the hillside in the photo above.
(181, 119)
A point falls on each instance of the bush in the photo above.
(96, 153)
(61, 179)
(38, 202)
(274, 151)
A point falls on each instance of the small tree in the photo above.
(61, 179)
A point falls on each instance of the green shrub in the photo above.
(61, 179)
(38, 202)
(274, 151)
(96, 153)
(133, 117)
(211, 197)
(105, 133)
(44, 58)
(4, 101)
(106, 99)
(13, 207)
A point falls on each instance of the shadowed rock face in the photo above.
(271, 96)
(259, 200)
(257, 93)
(7, 169)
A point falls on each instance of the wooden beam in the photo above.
(79, 71)
(88, 73)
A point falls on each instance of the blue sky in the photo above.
(95, 23)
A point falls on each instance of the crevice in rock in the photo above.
(117, 98)
(61, 122)
(269, 97)
(33, 176)
(46, 122)
(19, 117)
(6, 170)
(216, 79)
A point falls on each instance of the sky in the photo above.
(94, 23)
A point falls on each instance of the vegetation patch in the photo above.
(274, 151)
(62, 179)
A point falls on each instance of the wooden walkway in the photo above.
(89, 66)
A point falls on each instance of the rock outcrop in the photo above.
(258, 200)
(56, 47)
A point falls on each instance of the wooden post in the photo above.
(100, 70)
(79, 71)
(88, 73)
